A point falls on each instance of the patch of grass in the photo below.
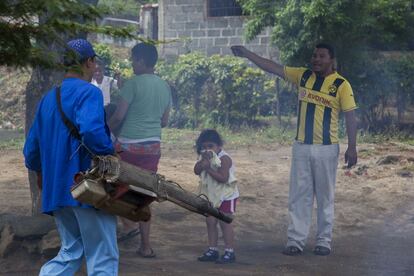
(15, 144)
(243, 137)
(383, 138)
(183, 138)
(247, 136)
(251, 136)
(366, 153)
(410, 142)
(409, 168)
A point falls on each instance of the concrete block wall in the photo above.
(187, 21)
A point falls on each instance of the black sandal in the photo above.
(129, 235)
(209, 256)
(321, 251)
(292, 251)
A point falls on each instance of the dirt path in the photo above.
(373, 233)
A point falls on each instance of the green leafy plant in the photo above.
(35, 32)
(217, 90)
(104, 52)
(361, 32)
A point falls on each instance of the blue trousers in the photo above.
(84, 232)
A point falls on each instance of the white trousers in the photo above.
(313, 174)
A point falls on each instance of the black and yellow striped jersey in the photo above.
(320, 101)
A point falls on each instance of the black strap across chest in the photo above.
(73, 130)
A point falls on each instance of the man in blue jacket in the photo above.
(57, 156)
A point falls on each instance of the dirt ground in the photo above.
(373, 232)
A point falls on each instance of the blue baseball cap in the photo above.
(82, 48)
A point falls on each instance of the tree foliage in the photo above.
(387, 82)
(217, 90)
(33, 34)
(28, 28)
(350, 25)
(128, 8)
(113, 64)
(360, 30)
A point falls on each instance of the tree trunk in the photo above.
(401, 104)
(278, 103)
(40, 82)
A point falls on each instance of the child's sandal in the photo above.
(227, 258)
(209, 256)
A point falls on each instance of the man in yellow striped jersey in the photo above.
(323, 93)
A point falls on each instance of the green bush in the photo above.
(113, 64)
(224, 90)
(104, 52)
(384, 89)
(217, 90)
